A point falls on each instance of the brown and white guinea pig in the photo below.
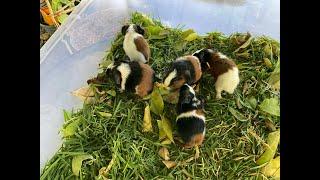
(191, 118)
(222, 68)
(185, 69)
(132, 76)
(134, 44)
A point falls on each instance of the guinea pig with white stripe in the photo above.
(134, 44)
(132, 76)
(191, 118)
(185, 69)
(224, 71)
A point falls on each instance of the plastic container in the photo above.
(72, 54)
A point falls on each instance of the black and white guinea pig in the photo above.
(132, 76)
(191, 118)
(222, 68)
(134, 44)
(185, 69)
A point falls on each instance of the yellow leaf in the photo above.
(147, 125)
(104, 114)
(77, 163)
(272, 141)
(191, 37)
(244, 45)
(166, 141)
(267, 62)
(164, 153)
(85, 93)
(272, 169)
(47, 19)
(71, 128)
(167, 128)
(169, 164)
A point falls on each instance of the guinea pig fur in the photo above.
(134, 44)
(132, 76)
(185, 69)
(222, 68)
(191, 118)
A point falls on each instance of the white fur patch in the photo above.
(168, 79)
(228, 81)
(222, 56)
(210, 50)
(197, 51)
(191, 89)
(129, 46)
(125, 70)
(191, 114)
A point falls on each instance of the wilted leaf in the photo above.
(267, 50)
(162, 134)
(237, 115)
(273, 141)
(270, 125)
(62, 17)
(85, 93)
(274, 79)
(104, 170)
(164, 153)
(77, 163)
(167, 127)
(71, 128)
(147, 125)
(267, 62)
(157, 104)
(104, 114)
(271, 106)
(244, 45)
(245, 55)
(191, 37)
(169, 164)
(46, 17)
(272, 169)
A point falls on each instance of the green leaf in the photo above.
(56, 5)
(252, 102)
(157, 104)
(274, 79)
(154, 30)
(273, 141)
(180, 45)
(191, 37)
(104, 114)
(272, 169)
(244, 45)
(66, 115)
(167, 128)
(77, 163)
(71, 128)
(271, 106)
(61, 18)
(186, 33)
(267, 62)
(237, 115)
(162, 134)
(112, 93)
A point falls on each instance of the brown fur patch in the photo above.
(177, 84)
(146, 83)
(196, 66)
(195, 140)
(143, 47)
(200, 112)
(219, 65)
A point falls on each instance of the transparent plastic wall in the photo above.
(72, 54)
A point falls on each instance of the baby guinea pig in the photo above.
(134, 44)
(223, 69)
(132, 76)
(191, 118)
(185, 69)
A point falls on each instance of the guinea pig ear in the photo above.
(124, 29)
(140, 30)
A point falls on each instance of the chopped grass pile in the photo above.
(107, 135)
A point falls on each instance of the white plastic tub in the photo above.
(72, 54)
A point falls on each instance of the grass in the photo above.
(231, 146)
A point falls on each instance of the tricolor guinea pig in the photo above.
(191, 118)
(185, 69)
(134, 44)
(222, 68)
(132, 76)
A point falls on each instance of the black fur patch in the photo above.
(184, 69)
(134, 77)
(186, 101)
(124, 29)
(204, 55)
(190, 126)
(138, 29)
